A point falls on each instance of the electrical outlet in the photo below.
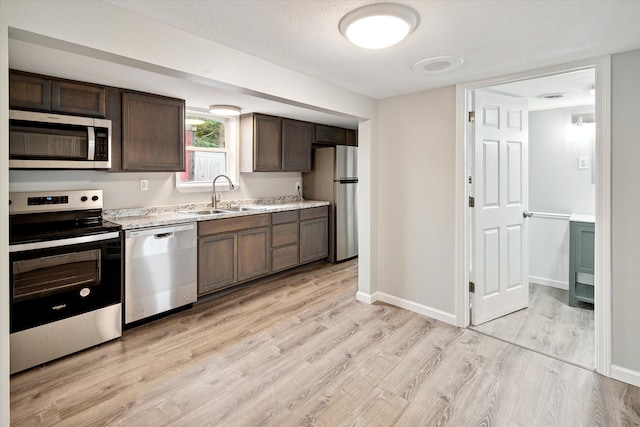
(144, 185)
(298, 186)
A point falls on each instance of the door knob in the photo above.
(527, 214)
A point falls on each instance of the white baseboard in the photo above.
(407, 305)
(368, 298)
(625, 375)
(418, 308)
(549, 282)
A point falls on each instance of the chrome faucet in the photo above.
(214, 198)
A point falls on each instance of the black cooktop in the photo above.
(39, 227)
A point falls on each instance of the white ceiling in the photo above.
(493, 37)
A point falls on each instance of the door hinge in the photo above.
(472, 287)
(472, 202)
(472, 116)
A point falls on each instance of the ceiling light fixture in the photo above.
(379, 25)
(436, 65)
(224, 110)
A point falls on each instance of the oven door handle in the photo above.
(63, 242)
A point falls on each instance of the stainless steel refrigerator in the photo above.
(334, 177)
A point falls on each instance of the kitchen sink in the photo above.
(222, 210)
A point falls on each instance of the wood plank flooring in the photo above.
(549, 325)
(299, 350)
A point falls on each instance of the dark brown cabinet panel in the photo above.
(314, 234)
(352, 138)
(48, 94)
(78, 98)
(285, 234)
(275, 144)
(331, 135)
(263, 133)
(232, 251)
(29, 91)
(297, 138)
(254, 253)
(217, 262)
(284, 257)
(152, 133)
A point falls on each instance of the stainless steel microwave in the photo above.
(55, 141)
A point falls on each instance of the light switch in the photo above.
(583, 163)
(144, 185)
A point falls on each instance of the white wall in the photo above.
(625, 140)
(416, 181)
(125, 37)
(557, 186)
(122, 190)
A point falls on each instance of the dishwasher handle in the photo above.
(160, 232)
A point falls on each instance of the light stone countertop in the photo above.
(177, 214)
(582, 218)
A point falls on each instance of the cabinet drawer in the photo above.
(284, 257)
(233, 224)
(284, 234)
(310, 213)
(282, 217)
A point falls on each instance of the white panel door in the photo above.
(500, 187)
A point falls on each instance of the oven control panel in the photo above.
(54, 201)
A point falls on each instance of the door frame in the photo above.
(602, 305)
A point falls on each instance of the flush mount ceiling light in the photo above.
(379, 25)
(436, 65)
(555, 95)
(224, 110)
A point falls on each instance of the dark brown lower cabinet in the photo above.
(284, 240)
(217, 262)
(254, 253)
(235, 250)
(232, 250)
(314, 235)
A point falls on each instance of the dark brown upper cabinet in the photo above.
(352, 138)
(274, 144)
(297, 138)
(152, 133)
(47, 94)
(330, 135)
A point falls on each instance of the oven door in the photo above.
(57, 279)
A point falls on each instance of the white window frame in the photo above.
(232, 142)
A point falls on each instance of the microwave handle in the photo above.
(91, 143)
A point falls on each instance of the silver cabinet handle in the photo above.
(527, 214)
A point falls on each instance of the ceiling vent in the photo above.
(436, 65)
(556, 95)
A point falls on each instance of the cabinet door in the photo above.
(584, 235)
(254, 253)
(330, 135)
(266, 143)
(352, 138)
(78, 98)
(297, 137)
(31, 92)
(217, 262)
(314, 239)
(152, 133)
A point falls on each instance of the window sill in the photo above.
(203, 187)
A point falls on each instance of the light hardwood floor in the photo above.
(549, 325)
(300, 350)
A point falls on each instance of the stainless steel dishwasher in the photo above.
(160, 270)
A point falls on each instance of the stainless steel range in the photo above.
(66, 275)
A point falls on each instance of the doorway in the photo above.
(592, 166)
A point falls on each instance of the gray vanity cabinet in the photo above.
(581, 262)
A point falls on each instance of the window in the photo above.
(210, 150)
